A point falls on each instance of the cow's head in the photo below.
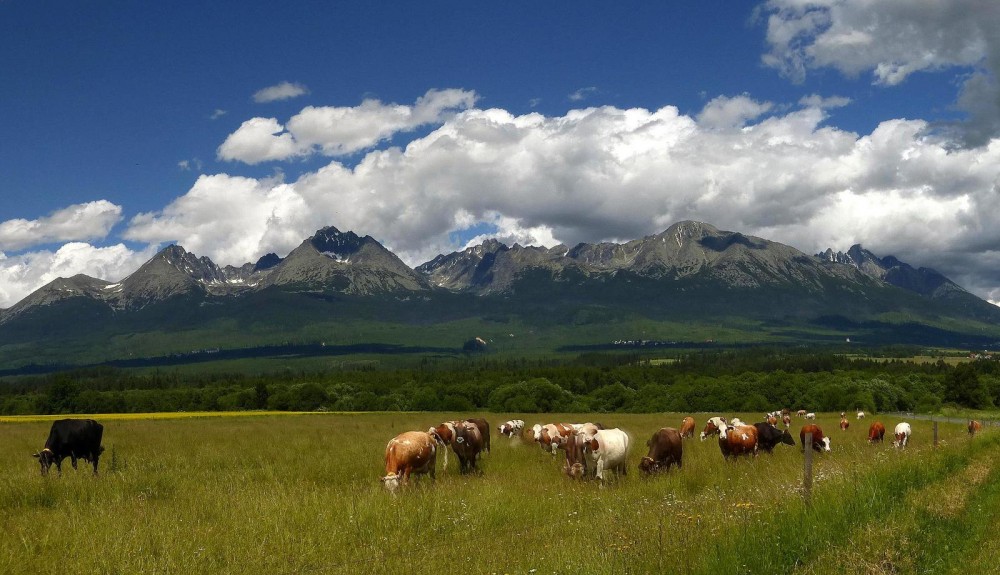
(786, 438)
(443, 434)
(536, 432)
(825, 443)
(45, 458)
(391, 482)
(712, 427)
(648, 465)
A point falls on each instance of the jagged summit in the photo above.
(891, 270)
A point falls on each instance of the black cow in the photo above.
(768, 436)
(73, 438)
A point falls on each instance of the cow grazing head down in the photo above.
(876, 432)
(45, 458)
(820, 442)
(74, 438)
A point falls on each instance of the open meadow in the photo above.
(269, 493)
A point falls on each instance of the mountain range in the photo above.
(345, 288)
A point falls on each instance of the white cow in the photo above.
(511, 428)
(902, 433)
(861, 415)
(810, 415)
(605, 449)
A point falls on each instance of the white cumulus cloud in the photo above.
(338, 130)
(91, 220)
(282, 91)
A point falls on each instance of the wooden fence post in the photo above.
(807, 473)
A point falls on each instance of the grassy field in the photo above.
(301, 494)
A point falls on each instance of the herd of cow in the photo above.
(591, 450)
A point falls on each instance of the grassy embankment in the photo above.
(295, 494)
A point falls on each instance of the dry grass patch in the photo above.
(948, 499)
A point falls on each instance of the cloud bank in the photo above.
(92, 220)
(892, 40)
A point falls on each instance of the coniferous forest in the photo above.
(748, 380)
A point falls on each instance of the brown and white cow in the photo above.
(553, 436)
(665, 449)
(409, 452)
(712, 427)
(819, 441)
(876, 432)
(687, 427)
(902, 433)
(737, 440)
(974, 427)
(844, 424)
(511, 428)
(786, 420)
(801, 413)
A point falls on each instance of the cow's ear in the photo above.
(594, 445)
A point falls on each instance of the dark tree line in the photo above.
(743, 380)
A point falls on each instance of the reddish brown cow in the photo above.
(467, 445)
(665, 449)
(787, 420)
(876, 432)
(409, 452)
(974, 426)
(738, 440)
(449, 432)
(484, 430)
(844, 424)
(576, 462)
(819, 441)
(687, 427)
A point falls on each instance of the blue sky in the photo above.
(238, 128)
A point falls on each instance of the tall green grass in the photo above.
(301, 494)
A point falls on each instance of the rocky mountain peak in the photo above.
(337, 245)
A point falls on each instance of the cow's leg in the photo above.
(600, 469)
(96, 459)
(406, 476)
